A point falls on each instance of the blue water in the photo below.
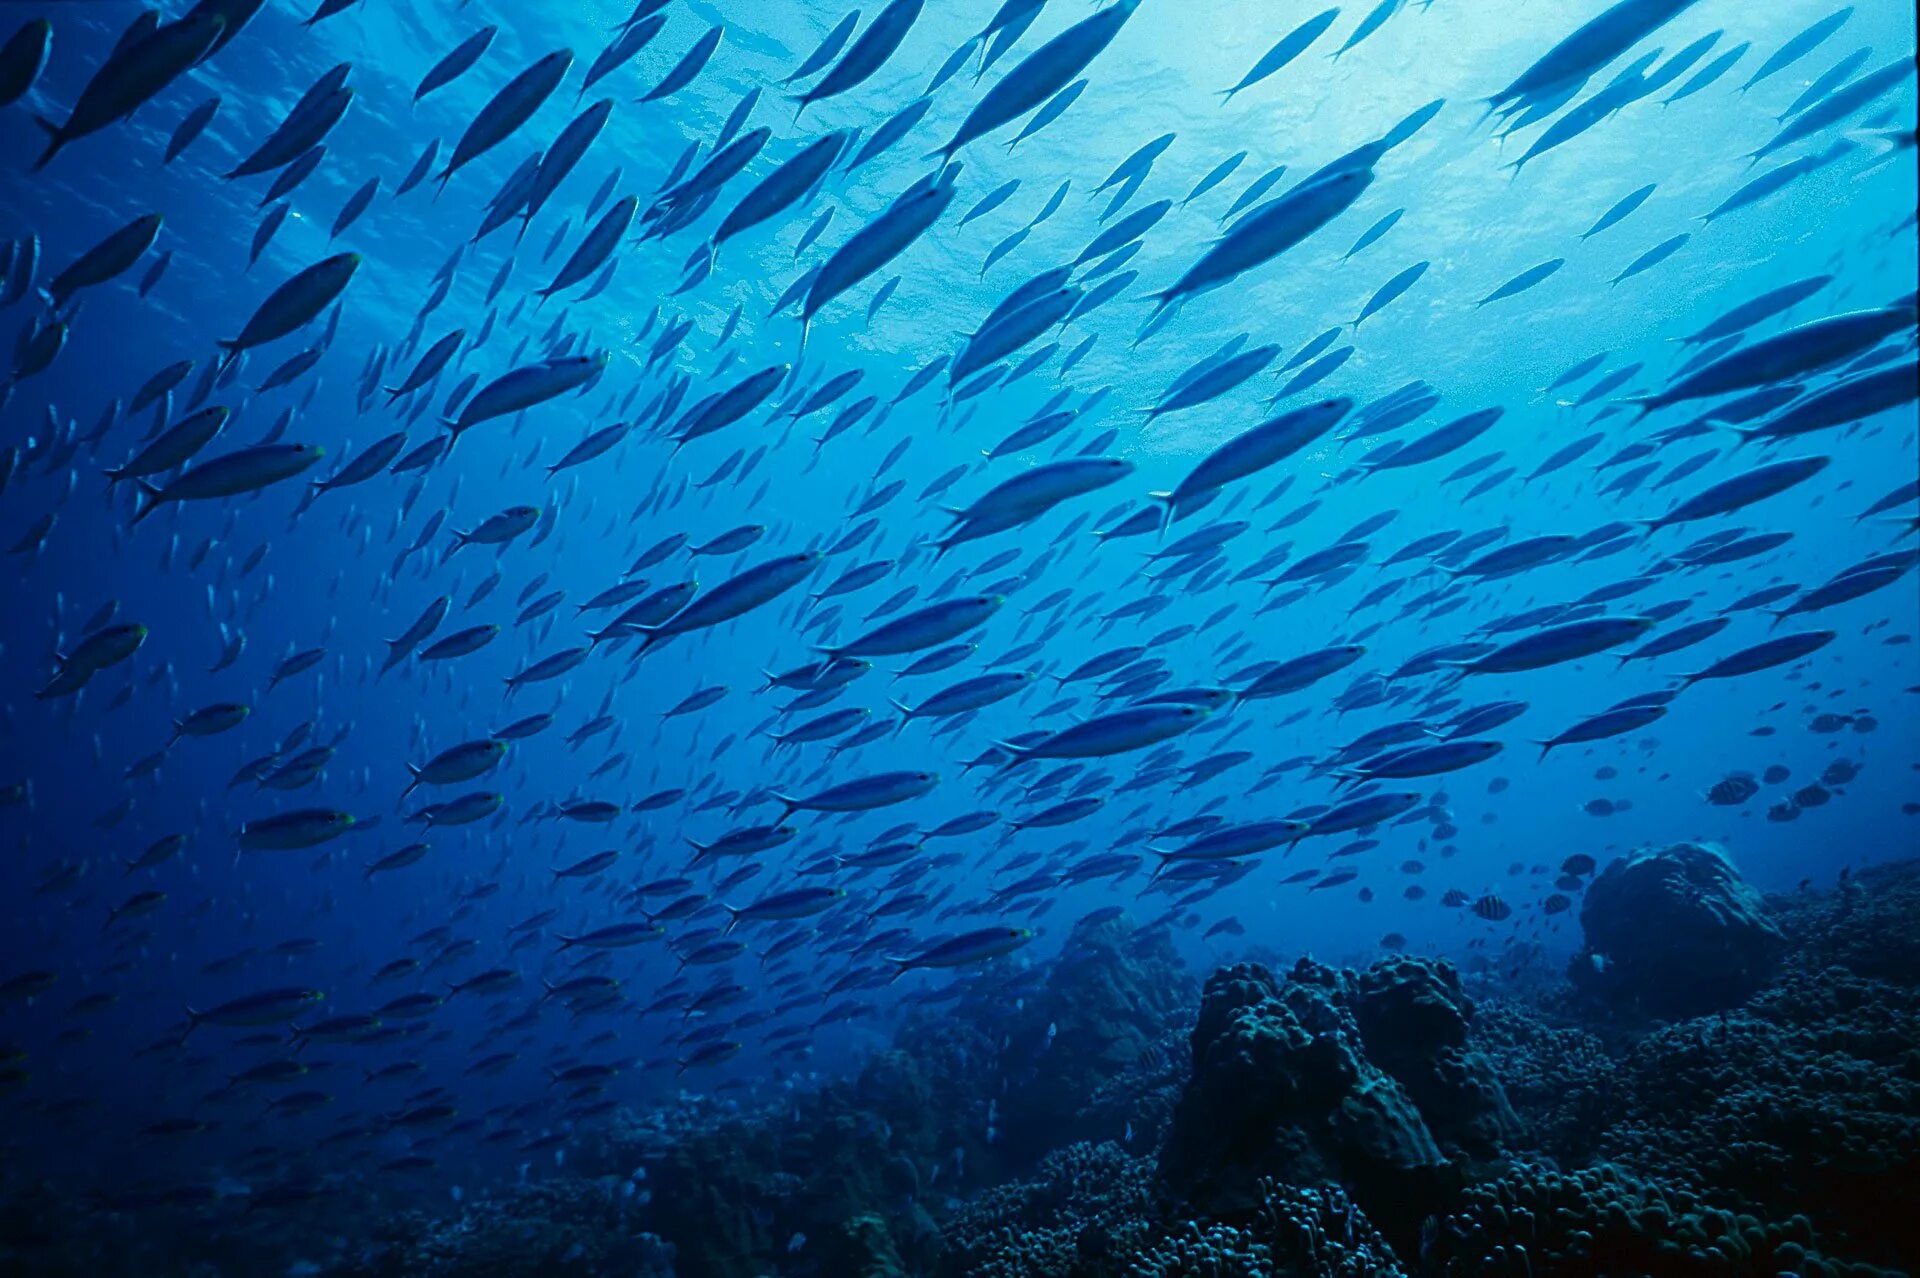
(194, 574)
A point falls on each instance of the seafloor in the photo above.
(1730, 1086)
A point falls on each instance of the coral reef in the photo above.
(1289, 1231)
(569, 1228)
(1559, 1078)
(1108, 1003)
(1806, 1100)
(1330, 1076)
(1084, 1206)
(1536, 1223)
(1674, 932)
(1092, 1211)
(1097, 1117)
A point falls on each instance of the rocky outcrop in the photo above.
(1331, 1076)
(1674, 931)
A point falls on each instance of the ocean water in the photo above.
(119, 1069)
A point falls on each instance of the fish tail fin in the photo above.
(55, 141)
(1546, 747)
(905, 714)
(147, 500)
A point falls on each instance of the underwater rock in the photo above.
(1415, 1020)
(1674, 932)
(1283, 1086)
(1114, 994)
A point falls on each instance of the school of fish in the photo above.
(514, 620)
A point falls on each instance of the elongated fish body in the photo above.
(295, 303)
(968, 694)
(458, 61)
(266, 1007)
(966, 949)
(596, 247)
(1843, 403)
(429, 364)
(690, 65)
(1041, 74)
(458, 763)
(109, 258)
(1556, 644)
(1357, 814)
(799, 903)
(1764, 656)
(560, 158)
(1743, 490)
(1235, 841)
(881, 240)
(1786, 355)
(1446, 439)
(22, 58)
(863, 794)
(294, 831)
(524, 388)
(371, 460)
(622, 49)
(245, 471)
(175, 446)
(1268, 231)
(1838, 105)
(868, 54)
(999, 338)
(616, 936)
(131, 76)
(1591, 47)
(1289, 47)
(751, 589)
(783, 187)
(723, 408)
(508, 109)
(716, 172)
(927, 627)
(310, 121)
(1254, 450)
(1041, 488)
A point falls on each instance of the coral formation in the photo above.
(1674, 932)
(564, 1227)
(1085, 1205)
(1599, 1221)
(1331, 1076)
(1095, 1118)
